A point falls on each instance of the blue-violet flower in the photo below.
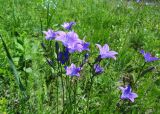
(73, 70)
(50, 34)
(127, 94)
(105, 53)
(69, 25)
(148, 57)
(98, 69)
(72, 41)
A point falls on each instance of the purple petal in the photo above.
(98, 69)
(106, 47)
(132, 96)
(127, 94)
(122, 88)
(50, 34)
(99, 46)
(86, 45)
(61, 36)
(68, 26)
(105, 53)
(128, 89)
(113, 52)
(142, 52)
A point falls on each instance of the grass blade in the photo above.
(18, 81)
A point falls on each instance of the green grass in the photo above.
(126, 27)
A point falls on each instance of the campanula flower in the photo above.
(127, 94)
(72, 41)
(148, 57)
(63, 57)
(98, 69)
(67, 39)
(50, 34)
(105, 53)
(69, 25)
(73, 70)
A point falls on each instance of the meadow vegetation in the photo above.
(33, 82)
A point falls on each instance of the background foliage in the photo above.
(126, 26)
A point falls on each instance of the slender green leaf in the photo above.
(16, 75)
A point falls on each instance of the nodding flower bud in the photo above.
(57, 47)
(98, 59)
(85, 59)
(86, 56)
(43, 46)
(63, 57)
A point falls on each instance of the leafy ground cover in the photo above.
(29, 85)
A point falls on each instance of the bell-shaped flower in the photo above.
(148, 57)
(72, 41)
(73, 70)
(127, 93)
(69, 25)
(98, 69)
(105, 53)
(50, 34)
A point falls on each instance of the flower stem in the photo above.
(140, 71)
(62, 84)
(75, 92)
(57, 93)
(89, 92)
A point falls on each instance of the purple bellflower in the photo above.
(68, 26)
(50, 34)
(73, 70)
(98, 69)
(67, 38)
(63, 57)
(127, 94)
(148, 57)
(72, 41)
(105, 53)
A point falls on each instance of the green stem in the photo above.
(57, 94)
(68, 93)
(62, 88)
(139, 74)
(75, 92)
(89, 92)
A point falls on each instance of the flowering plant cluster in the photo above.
(71, 43)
